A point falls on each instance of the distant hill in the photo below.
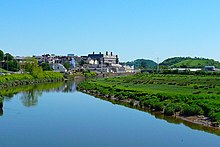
(174, 60)
(142, 63)
(183, 62)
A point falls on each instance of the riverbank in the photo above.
(14, 80)
(155, 93)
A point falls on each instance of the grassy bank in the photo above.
(182, 95)
(25, 79)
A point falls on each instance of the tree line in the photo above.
(29, 65)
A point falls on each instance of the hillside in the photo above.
(142, 63)
(197, 63)
(182, 62)
(174, 60)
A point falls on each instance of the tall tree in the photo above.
(12, 65)
(8, 57)
(67, 65)
(46, 66)
(1, 55)
(30, 64)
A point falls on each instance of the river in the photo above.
(59, 115)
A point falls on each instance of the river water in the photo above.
(58, 115)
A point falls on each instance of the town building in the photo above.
(209, 68)
(57, 67)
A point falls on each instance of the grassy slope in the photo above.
(197, 63)
(200, 92)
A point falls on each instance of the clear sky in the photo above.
(130, 28)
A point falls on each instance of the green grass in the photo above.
(3, 70)
(197, 63)
(192, 95)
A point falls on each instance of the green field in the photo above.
(188, 62)
(186, 95)
(197, 63)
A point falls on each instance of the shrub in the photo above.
(196, 87)
(169, 110)
(217, 117)
(197, 92)
(192, 110)
(177, 108)
(158, 106)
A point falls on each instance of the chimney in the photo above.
(106, 53)
(111, 53)
(100, 53)
(93, 53)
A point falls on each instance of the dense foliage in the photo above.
(1, 55)
(46, 66)
(28, 77)
(89, 74)
(142, 63)
(172, 61)
(9, 63)
(183, 94)
(67, 65)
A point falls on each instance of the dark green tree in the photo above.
(12, 65)
(46, 66)
(67, 65)
(81, 63)
(1, 55)
(143, 64)
(8, 57)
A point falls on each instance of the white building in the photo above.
(57, 67)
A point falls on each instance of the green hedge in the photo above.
(28, 77)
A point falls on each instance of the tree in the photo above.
(12, 65)
(143, 64)
(8, 57)
(81, 63)
(1, 55)
(67, 65)
(30, 64)
(46, 66)
(37, 72)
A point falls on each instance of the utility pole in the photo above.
(7, 62)
(158, 68)
(102, 64)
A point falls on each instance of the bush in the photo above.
(177, 108)
(217, 117)
(158, 106)
(196, 87)
(197, 92)
(209, 92)
(169, 110)
(192, 110)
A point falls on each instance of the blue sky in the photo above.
(130, 28)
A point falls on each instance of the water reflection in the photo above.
(1, 106)
(67, 87)
(30, 98)
(31, 93)
(170, 119)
